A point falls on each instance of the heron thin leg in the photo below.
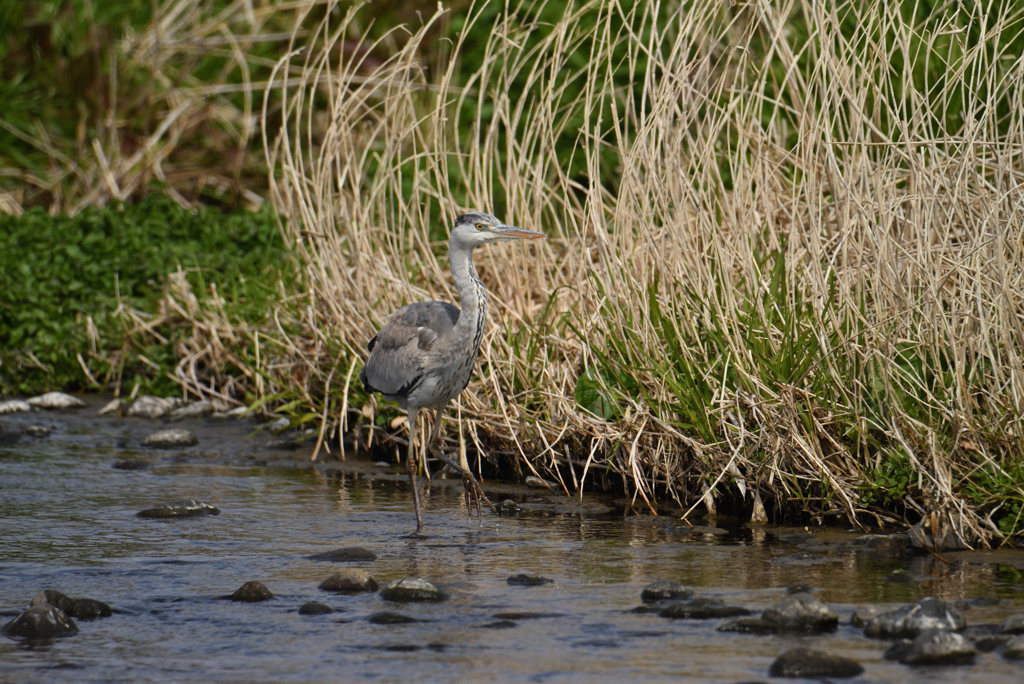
(474, 493)
(411, 465)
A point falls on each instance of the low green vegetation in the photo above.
(73, 288)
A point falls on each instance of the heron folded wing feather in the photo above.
(398, 352)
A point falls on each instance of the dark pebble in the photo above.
(749, 625)
(507, 507)
(899, 576)
(808, 663)
(500, 624)
(523, 580)
(386, 617)
(799, 589)
(252, 592)
(524, 615)
(702, 609)
(344, 554)
(186, 508)
(663, 590)
(350, 581)
(315, 608)
(41, 621)
(130, 464)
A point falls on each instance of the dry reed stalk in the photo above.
(901, 241)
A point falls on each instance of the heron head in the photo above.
(477, 228)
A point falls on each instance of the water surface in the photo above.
(67, 522)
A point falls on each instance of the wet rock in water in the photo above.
(170, 439)
(112, 406)
(500, 624)
(507, 507)
(14, 406)
(664, 590)
(534, 482)
(283, 444)
(987, 644)
(350, 580)
(943, 538)
(702, 609)
(411, 589)
(1012, 625)
(315, 608)
(524, 580)
(862, 614)
(41, 621)
(130, 464)
(749, 625)
(799, 589)
(1014, 649)
(150, 407)
(524, 615)
(801, 613)
(252, 592)
(37, 431)
(811, 664)
(186, 508)
(197, 409)
(345, 554)
(906, 622)
(81, 608)
(56, 401)
(387, 617)
(56, 599)
(933, 647)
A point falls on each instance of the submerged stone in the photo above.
(663, 590)
(749, 625)
(56, 401)
(387, 617)
(411, 589)
(863, 614)
(186, 508)
(350, 580)
(1014, 649)
(41, 621)
(130, 464)
(911, 620)
(170, 439)
(702, 609)
(37, 431)
(524, 615)
(525, 580)
(507, 507)
(811, 664)
(344, 554)
(252, 592)
(315, 608)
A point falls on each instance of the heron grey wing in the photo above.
(398, 353)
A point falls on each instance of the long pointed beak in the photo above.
(513, 232)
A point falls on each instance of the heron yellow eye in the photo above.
(479, 226)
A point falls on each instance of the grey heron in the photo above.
(424, 354)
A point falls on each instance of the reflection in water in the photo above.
(68, 522)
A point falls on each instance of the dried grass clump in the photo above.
(789, 269)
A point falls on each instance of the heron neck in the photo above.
(472, 295)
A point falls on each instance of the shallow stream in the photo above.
(68, 522)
